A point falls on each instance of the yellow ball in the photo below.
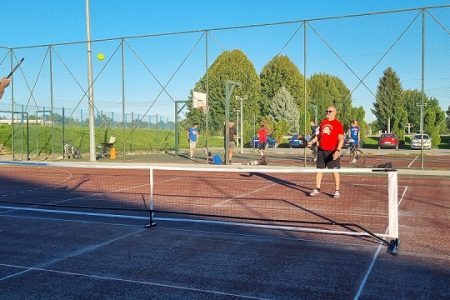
(100, 56)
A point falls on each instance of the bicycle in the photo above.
(70, 151)
(356, 156)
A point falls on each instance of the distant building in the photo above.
(30, 122)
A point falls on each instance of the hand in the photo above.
(336, 154)
(5, 82)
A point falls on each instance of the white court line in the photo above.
(96, 194)
(227, 223)
(374, 258)
(83, 197)
(181, 220)
(68, 212)
(239, 196)
(410, 164)
(98, 277)
(70, 255)
(39, 188)
(79, 221)
(100, 193)
(366, 184)
(105, 192)
(69, 176)
(7, 211)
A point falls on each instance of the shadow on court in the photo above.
(49, 253)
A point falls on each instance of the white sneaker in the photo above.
(337, 194)
(314, 192)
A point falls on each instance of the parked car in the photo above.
(297, 141)
(255, 141)
(388, 140)
(416, 141)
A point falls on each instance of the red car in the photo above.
(388, 140)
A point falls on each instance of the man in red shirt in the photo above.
(331, 139)
(262, 139)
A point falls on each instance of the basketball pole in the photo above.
(229, 87)
(241, 122)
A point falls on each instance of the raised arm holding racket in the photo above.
(3, 84)
(6, 81)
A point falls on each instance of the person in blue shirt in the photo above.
(192, 137)
(355, 133)
(215, 159)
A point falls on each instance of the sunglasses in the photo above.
(328, 111)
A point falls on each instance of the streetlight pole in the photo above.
(422, 88)
(237, 111)
(229, 87)
(92, 156)
(242, 122)
(305, 95)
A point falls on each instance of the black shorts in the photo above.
(262, 146)
(325, 160)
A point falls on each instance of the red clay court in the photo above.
(58, 249)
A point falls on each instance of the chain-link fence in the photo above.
(340, 60)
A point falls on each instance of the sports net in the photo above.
(251, 195)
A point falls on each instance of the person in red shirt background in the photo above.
(331, 140)
(262, 140)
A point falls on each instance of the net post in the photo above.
(393, 211)
(151, 202)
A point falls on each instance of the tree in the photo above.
(230, 65)
(413, 100)
(389, 106)
(326, 90)
(280, 128)
(448, 118)
(279, 72)
(58, 119)
(283, 107)
(434, 121)
(104, 120)
(434, 117)
(374, 127)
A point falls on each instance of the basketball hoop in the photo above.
(199, 101)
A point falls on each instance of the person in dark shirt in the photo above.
(232, 133)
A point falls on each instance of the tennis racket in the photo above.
(15, 68)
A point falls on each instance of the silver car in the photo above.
(416, 141)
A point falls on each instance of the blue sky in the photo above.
(29, 22)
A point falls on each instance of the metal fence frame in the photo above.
(206, 34)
